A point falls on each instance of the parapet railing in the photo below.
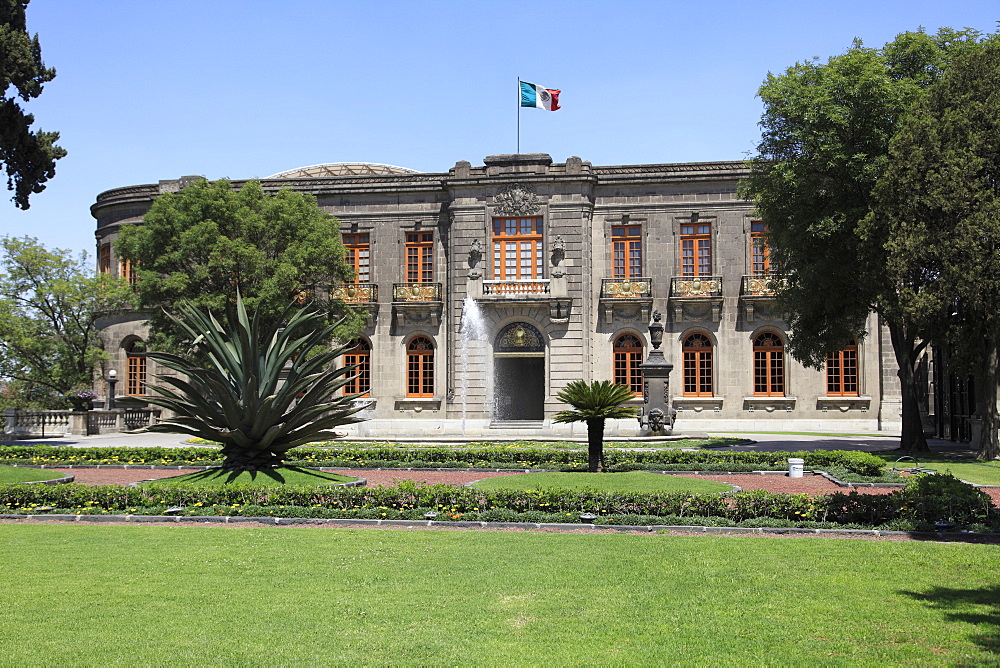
(535, 286)
(40, 424)
(356, 293)
(626, 288)
(37, 423)
(761, 286)
(416, 292)
(695, 286)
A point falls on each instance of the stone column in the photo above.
(78, 423)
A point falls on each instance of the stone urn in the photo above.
(81, 403)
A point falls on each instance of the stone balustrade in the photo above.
(42, 424)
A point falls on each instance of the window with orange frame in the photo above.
(517, 249)
(358, 246)
(135, 368)
(842, 372)
(104, 259)
(420, 367)
(697, 356)
(696, 249)
(628, 357)
(768, 366)
(361, 355)
(626, 251)
(760, 255)
(419, 257)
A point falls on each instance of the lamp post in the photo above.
(112, 381)
(657, 418)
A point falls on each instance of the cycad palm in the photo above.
(260, 394)
(594, 403)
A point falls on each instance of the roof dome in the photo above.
(342, 169)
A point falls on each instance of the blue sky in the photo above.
(155, 90)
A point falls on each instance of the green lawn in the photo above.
(198, 596)
(288, 475)
(980, 473)
(632, 481)
(18, 474)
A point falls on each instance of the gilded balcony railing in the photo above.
(356, 293)
(761, 286)
(515, 288)
(416, 292)
(631, 288)
(696, 286)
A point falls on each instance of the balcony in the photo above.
(757, 295)
(516, 289)
(626, 299)
(356, 293)
(541, 291)
(364, 295)
(417, 303)
(696, 298)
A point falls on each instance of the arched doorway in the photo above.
(519, 373)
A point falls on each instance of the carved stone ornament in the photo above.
(558, 250)
(516, 200)
(519, 337)
(475, 254)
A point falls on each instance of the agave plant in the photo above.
(594, 403)
(260, 393)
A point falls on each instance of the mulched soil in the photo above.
(808, 484)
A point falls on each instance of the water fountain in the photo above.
(474, 328)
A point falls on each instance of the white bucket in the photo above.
(795, 467)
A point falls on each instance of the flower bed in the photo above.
(923, 502)
(860, 463)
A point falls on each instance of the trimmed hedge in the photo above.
(861, 463)
(925, 500)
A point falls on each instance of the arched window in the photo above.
(697, 353)
(768, 366)
(628, 357)
(135, 370)
(360, 354)
(420, 368)
(842, 372)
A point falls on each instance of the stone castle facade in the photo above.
(488, 288)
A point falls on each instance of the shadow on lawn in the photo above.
(273, 474)
(972, 606)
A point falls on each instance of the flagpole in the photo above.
(519, 115)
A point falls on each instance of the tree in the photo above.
(203, 245)
(824, 146)
(941, 198)
(262, 393)
(29, 158)
(594, 403)
(49, 307)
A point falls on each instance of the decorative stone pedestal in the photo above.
(657, 417)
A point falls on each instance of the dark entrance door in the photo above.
(520, 388)
(519, 373)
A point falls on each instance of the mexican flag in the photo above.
(541, 98)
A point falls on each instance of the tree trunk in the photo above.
(595, 445)
(989, 439)
(904, 348)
